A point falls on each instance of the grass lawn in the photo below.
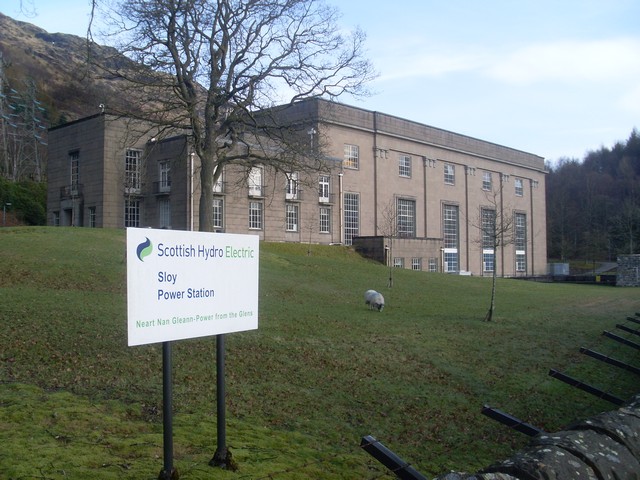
(320, 372)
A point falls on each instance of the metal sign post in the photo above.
(168, 472)
(221, 457)
(183, 284)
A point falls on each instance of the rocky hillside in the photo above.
(59, 65)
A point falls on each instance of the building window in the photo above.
(255, 215)
(521, 241)
(488, 228)
(325, 220)
(255, 182)
(398, 262)
(450, 226)
(164, 213)
(488, 259)
(406, 217)
(450, 260)
(450, 237)
(433, 264)
(56, 219)
(218, 213)
(292, 186)
(416, 263)
(131, 212)
(519, 188)
(165, 176)
(218, 186)
(488, 239)
(92, 217)
(487, 181)
(292, 217)
(74, 163)
(351, 156)
(404, 166)
(351, 217)
(132, 169)
(449, 174)
(324, 188)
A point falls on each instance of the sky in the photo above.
(557, 78)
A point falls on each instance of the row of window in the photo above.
(133, 183)
(132, 213)
(255, 180)
(352, 161)
(451, 262)
(405, 219)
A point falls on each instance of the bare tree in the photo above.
(389, 229)
(496, 228)
(219, 67)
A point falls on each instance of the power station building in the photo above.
(408, 194)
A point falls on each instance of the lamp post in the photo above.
(4, 213)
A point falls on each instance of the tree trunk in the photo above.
(489, 316)
(205, 215)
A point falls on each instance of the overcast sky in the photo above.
(556, 78)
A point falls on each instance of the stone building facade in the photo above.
(422, 192)
(628, 271)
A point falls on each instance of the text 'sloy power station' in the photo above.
(183, 284)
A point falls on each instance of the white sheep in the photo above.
(374, 300)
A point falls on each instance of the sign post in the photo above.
(183, 285)
(168, 472)
(221, 455)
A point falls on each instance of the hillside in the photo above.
(320, 372)
(60, 66)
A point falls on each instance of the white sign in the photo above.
(190, 284)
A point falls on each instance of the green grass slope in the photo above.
(320, 372)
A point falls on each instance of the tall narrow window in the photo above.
(131, 212)
(488, 239)
(449, 174)
(325, 220)
(255, 215)
(218, 186)
(74, 162)
(132, 167)
(433, 264)
(450, 237)
(323, 188)
(351, 217)
(292, 217)
(165, 176)
(255, 182)
(519, 187)
(488, 228)
(406, 217)
(164, 213)
(292, 186)
(521, 241)
(404, 166)
(351, 156)
(92, 217)
(218, 213)
(487, 181)
(416, 263)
